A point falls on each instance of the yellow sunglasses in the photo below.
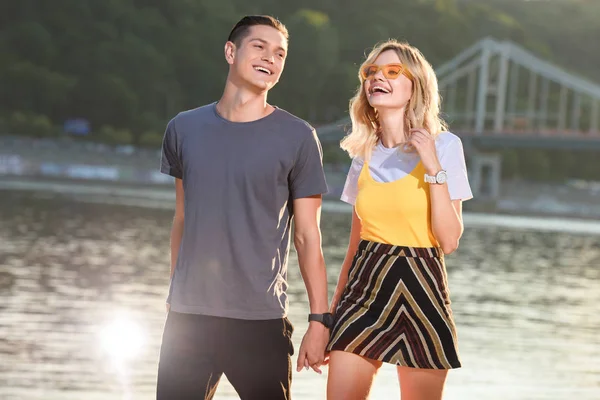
(390, 71)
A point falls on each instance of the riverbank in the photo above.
(540, 217)
(91, 170)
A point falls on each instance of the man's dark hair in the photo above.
(240, 30)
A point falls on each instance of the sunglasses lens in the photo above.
(369, 71)
(392, 71)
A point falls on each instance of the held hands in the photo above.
(312, 349)
(424, 143)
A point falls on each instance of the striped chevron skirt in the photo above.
(396, 308)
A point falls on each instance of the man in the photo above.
(243, 168)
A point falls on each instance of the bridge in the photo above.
(498, 95)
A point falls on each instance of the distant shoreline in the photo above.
(119, 176)
(163, 197)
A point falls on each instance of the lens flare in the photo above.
(122, 339)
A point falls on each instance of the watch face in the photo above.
(441, 177)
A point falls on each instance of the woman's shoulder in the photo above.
(357, 161)
(446, 138)
(356, 166)
(448, 143)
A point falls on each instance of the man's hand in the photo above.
(312, 349)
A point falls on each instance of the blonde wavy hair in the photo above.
(422, 110)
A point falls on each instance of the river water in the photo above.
(82, 289)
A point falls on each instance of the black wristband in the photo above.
(326, 319)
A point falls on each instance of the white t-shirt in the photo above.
(391, 164)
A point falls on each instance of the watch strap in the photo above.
(435, 179)
(430, 179)
(325, 318)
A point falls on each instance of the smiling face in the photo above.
(259, 59)
(387, 92)
(410, 97)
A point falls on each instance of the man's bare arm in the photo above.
(307, 240)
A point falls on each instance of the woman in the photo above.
(407, 181)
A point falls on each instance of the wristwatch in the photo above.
(440, 178)
(326, 319)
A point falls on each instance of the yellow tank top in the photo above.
(396, 213)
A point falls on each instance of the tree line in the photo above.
(128, 66)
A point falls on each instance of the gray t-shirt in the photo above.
(240, 180)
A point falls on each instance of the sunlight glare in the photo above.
(122, 339)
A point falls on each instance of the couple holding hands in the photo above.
(244, 170)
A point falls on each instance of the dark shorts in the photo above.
(197, 350)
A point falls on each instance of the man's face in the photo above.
(259, 59)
